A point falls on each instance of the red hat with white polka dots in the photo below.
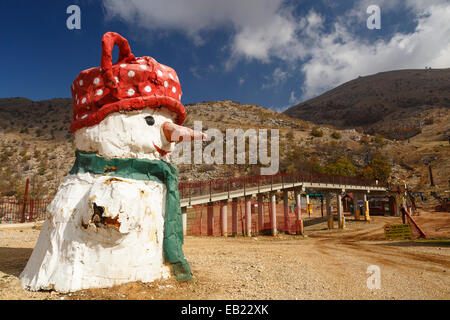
(130, 84)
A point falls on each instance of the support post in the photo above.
(184, 218)
(223, 218)
(286, 211)
(210, 194)
(308, 206)
(397, 206)
(366, 208)
(260, 212)
(248, 216)
(298, 211)
(340, 210)
(234, 217)
(273, 214)
(329, 212)
(321, 206)
(355, 205)
(210, 221)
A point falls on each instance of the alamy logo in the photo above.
(374, 20)
(374, 280)
(74, 20)
(235, 153)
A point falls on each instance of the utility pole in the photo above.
(427, 161)
(431, 174)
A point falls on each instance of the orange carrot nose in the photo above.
(176, 133)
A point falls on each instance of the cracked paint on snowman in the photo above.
(116, 217)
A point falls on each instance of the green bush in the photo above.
(379, 168)
(343, 167)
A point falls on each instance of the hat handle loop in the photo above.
(108, 41)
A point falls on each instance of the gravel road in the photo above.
(326, 264)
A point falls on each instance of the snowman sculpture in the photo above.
(116, 217)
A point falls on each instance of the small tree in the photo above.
(343, 167)
(379, 168)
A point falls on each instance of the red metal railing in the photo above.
(20, 210)
(191, 189)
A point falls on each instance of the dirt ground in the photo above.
(325, 264)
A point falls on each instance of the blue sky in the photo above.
(273, 53)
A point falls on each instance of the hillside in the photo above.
(35, 142)
(395, 103)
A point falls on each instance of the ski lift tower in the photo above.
(427, 159)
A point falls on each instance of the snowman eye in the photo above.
(150, 120)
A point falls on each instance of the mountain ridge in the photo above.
(386, 103)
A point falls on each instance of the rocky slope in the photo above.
(35, 143)
(395, 103)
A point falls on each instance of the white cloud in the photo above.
(338, 57)
(195, 72)
(266, 29)
(280, 108)
(277, 78)
(293, 100)
(261, 27)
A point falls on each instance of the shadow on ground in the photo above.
(419, 243)
(14, 260)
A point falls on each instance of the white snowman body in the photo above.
(74, 251)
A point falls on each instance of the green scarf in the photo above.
(154, 170)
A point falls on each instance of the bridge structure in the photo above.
(223, 192)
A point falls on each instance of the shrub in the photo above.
(290, 135)
(316, 132)
(429, 121)
(379, 141)
(364, 140)
(336, 135)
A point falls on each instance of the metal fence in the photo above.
(20, 211)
